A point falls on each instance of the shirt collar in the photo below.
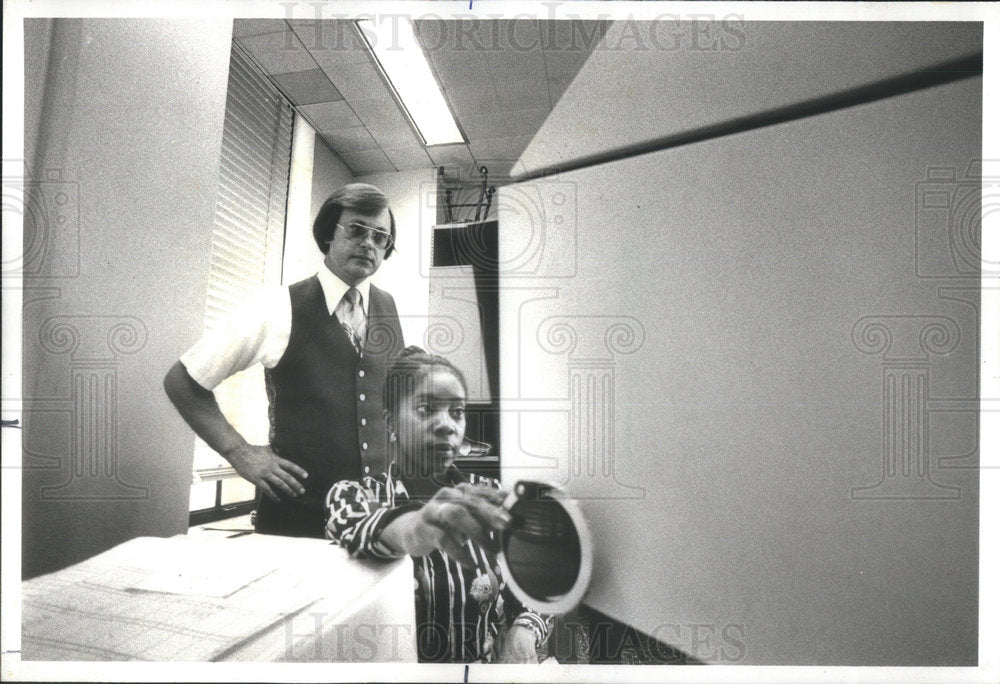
(334, 289)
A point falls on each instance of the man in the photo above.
(323, 342)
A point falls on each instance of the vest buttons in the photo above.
(364, 421)
(364, 445)
(361, 397)
(367, 470)
(361, 373)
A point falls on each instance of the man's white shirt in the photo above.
(257, 331)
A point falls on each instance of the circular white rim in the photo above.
(571, 598)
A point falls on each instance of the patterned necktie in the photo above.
(352, 318)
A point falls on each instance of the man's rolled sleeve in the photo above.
(257, 331)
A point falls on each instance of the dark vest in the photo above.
(325, 404)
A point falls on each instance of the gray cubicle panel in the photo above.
(652, 80)
(754, 360)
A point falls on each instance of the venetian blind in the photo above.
(248, 233)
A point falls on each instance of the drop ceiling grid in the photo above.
(447, 155)
(377, 112)
(334, 42)
(494, 111)
(333, 117)
(280, 52)
(307, 87)
(243, 28)
(517, 74)
(501, 82)
(384, 129)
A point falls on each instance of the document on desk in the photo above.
(159, 599)
(203, 569)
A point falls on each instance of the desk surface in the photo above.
(221, 593)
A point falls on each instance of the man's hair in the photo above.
(360, 197)
(404, 373)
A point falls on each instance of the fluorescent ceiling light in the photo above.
(404, 65)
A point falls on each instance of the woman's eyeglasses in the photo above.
(358, 232)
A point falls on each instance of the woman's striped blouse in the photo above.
(461, 612)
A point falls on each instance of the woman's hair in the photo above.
(405, 372)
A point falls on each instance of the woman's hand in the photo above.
(449, 520)
(518, 646)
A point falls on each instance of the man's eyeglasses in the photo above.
(358, 232)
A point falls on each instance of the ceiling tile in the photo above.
(433, 35)
(450, 154)
(523, 94)
(414, 157)
(255, 27)
(518, 66)
(461, 65)
(559, 35)
(490, 36)
(498, 169)
(500, 78)
(279, 53)
(359, 81)
(349, 139)
(522, 35)
(459, 36)
(332, 42)
(376, 112)
(306, 87)
(368, 161)
(473, 101)
(330, 116)
(572, 36)
(491, 125)
(394, 136)
(525, 121)
(563, 64)
(556, 89)
(499, 148)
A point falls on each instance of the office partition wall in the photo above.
(753, 358)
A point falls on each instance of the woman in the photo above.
(448, 521)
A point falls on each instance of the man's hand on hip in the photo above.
(265, 469)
